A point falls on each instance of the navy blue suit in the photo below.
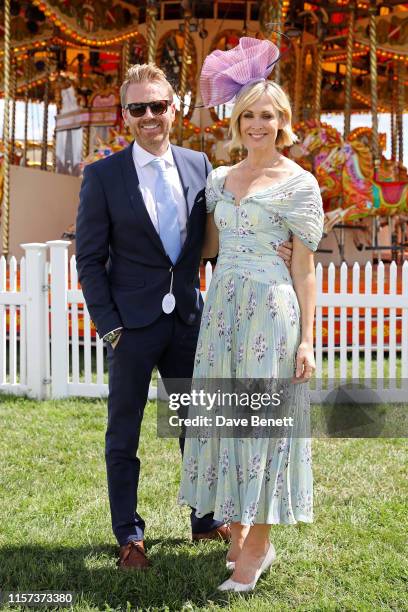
(124, 273)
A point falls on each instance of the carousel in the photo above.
(344, 58)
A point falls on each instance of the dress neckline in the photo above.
(259, 191)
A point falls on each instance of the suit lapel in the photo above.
(189, 188)
(185, 178)
(131, 181)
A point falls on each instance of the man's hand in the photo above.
(114, 343)
(285, 251)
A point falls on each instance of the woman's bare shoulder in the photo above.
(235, 169)
(291, 166)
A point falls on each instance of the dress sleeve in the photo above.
(211, 195)
(304, 215)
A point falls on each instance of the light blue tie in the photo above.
(167, 214)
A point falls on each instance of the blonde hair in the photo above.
(144, 73)
(247, 96)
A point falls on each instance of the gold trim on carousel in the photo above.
(36, 82)
(361, 4)
(358, 96)
(69, 31)
(38, 44)
(69, 44)
(343, 56)
(385, 54)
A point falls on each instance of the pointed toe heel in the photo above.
(238, 587)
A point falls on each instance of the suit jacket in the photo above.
(122, 266)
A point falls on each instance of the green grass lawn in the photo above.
(55, 524)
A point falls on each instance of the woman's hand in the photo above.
(305, 363)
(285, 251)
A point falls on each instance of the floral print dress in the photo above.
(251, 329)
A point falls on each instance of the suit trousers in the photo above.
(170, 344)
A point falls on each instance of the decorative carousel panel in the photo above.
(308, 84)
(104, 115)
(392, 35)
(138, 50)
(98, 22)
(69, 151)
(28, 24)
(169, 57)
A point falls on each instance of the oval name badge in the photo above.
(168, 303)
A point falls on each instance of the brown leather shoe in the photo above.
(220, 533)
(132, 556)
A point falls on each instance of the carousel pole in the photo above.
(394, 137)
(374, 102)
(400, 111)
(349, 68)
(44, 147)
(125, 58)
(372, 10)
(266, 17)
(26, 99)
(58, 101)
(298, 81)
(85, 128)
(277, 76)
(185, 63)
(86, 133)
(151, 15)
(317, 102)
(54, 151)
(13, 88)
(6, 171)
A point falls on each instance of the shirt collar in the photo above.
(143, 157)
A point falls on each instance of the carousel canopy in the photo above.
(84, 42)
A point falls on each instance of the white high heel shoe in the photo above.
(230, 565)
(238, 587)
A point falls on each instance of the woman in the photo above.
(257, 323)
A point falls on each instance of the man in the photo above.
(140, 229)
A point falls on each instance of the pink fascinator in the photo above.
(224, 73)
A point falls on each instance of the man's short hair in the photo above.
(144, 73)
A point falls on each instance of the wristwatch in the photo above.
(111, 336)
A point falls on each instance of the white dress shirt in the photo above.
(147, 180)
(147, 175)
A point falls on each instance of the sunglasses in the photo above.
(138, 109)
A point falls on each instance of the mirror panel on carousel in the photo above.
(181, 75)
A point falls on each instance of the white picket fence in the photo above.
(49, 355)
(25, 366)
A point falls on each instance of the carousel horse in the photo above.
(318, 151)
(102, 149)
(345, 173)
(368, 195)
